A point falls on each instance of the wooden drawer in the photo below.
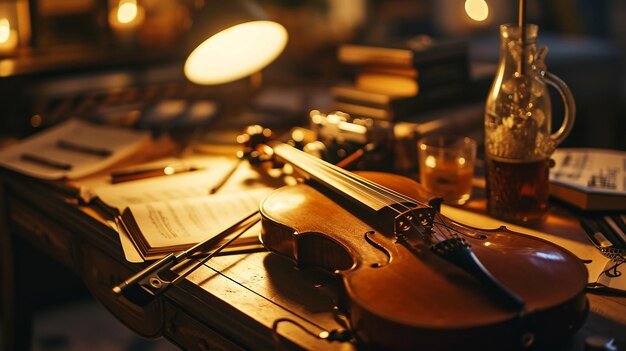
(100, 273)
(191, 334)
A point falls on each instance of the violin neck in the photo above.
(357, 189)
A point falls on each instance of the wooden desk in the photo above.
(230, 303)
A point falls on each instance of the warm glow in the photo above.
(7, 68)
(430, 161)
(127, 11)
(477, 9)
(297, 135)
(236, 52)
(355, 128)
(5, 30)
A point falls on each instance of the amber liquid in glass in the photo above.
(450, 181)
(517, 191)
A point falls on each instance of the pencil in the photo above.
(42, 161)
(86, 149)
(225, 178)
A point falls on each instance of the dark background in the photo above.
(74, 52)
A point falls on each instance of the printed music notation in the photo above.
(592, 170)
(604, 179)
(590, 179)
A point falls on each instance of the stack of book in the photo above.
(395, 83)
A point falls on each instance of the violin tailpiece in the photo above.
(457, 251)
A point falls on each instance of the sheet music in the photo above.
(187, 186)
(73, 149)
(191, 220)
(184, 185)
(591, 170)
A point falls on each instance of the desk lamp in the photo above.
(231, 40)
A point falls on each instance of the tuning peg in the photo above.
(254, 140)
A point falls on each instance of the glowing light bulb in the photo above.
(236, 52)
(127, 11)
(478, 10)
(5, 30)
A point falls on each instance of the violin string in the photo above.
(448, 228)
(368, 185)
(381, 191)
(392, 195)
(350, 181)
(388, 194)
(312, 167)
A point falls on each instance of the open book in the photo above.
(203, 173)
(163, 214)
(161, 227)
(591, 179)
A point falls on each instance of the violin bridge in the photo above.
(418, 220)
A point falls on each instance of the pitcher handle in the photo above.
(569, 107)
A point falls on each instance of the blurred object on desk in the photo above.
(590, 179)
(94, 148)
(356, 143)
(393, 82)
(466, 119)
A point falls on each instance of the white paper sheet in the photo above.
(119, 142)
(191, 220)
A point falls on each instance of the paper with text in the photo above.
(191, 220)
(590, 170)
(94, 148)
(178, 186)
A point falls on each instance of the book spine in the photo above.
(399, 58)
(373, 105)
(352, 94)
(361, 55)
(397, 86)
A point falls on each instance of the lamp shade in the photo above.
(231, 40)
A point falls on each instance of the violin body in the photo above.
(405, 297)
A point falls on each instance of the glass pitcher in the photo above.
(518, 138)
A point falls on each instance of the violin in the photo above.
(412, 278)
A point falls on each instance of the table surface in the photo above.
(230, 302)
